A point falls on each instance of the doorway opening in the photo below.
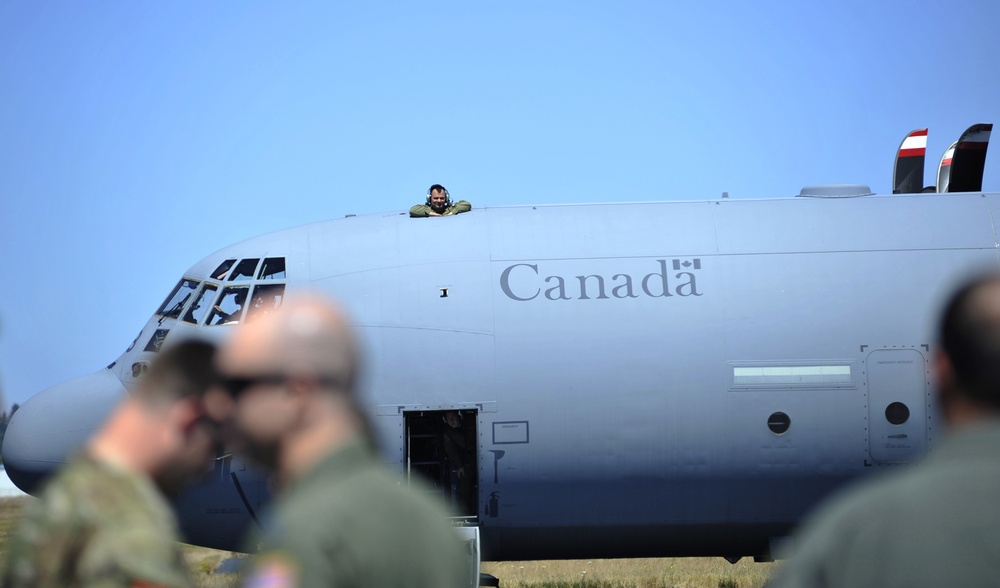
(442, 449)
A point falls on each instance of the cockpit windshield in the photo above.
(174, 303)
(273, 269)
(243, 271)
(223, 269)
(266, 297)
(202, 304)
(217, 302)
(229, 308)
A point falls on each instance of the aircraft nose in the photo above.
(54, 423)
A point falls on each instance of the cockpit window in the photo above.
(174, 303)
(221, 271)
(244, 270)
(266, 297)
(261, 289)
(229, 308)
(156, 341)
(273, 269)
(202, 304)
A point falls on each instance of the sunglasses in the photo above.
(237, 385)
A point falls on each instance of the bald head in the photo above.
(290, 375)
(307, 337)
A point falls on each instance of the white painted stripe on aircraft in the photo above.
(915, 142)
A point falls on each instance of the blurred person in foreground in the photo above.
(936, 523)
(104, 519)
(340, 517)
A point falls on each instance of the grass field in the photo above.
(682, 572)
(691, 572)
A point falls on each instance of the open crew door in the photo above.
(442, 448)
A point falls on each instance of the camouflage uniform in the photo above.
(350, 523)
(96, 525)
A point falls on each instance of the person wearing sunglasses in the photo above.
(340, 517)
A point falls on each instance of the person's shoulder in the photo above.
(111, 497)
(87, 509)
(79, 481)
(860, 500)
(58, 505)
(419, 210)
(102, 485)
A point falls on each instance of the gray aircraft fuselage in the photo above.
(648, 379)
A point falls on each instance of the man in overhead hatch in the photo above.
(439, 204)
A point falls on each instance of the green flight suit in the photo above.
(422, 210)
(350, 522)
(100, 525)
(933, 524)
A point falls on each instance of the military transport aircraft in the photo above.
(643, 379)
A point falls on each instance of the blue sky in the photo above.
(138, 137)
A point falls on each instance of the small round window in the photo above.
(778, 423)
(897, 413)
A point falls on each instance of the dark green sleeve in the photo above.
(419, 210)
(460, 207)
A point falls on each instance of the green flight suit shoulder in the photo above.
(352, 522)
(424, 210)
(459, 207)
(419, 211)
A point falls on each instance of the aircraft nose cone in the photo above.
(55, 423)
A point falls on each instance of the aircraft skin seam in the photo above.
(750, 253)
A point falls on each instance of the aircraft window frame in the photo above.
(242, 272)
(263, 279)
(199, 307)
(174, 301)
(223, 269)
(265, 273)
(755, 376)
(226, 310)
(265, 298)
(156, 341)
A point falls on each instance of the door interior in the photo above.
(442, 448)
